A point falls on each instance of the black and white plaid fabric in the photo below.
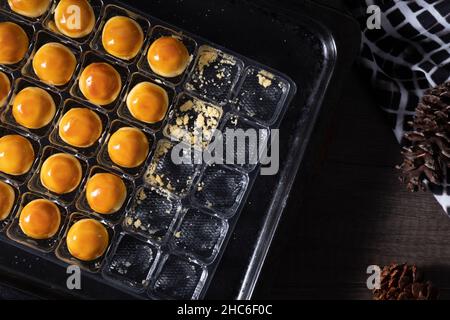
(409, 54)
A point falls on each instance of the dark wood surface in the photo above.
(355, 213)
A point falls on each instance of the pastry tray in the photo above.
(168, 239)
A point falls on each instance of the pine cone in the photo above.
(427, 151)
(404, 282)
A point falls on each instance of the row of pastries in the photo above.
(100, 83)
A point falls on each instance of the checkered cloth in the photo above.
(409, 54)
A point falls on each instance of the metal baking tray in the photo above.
(178, 259)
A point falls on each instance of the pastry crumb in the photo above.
(194, 122)
(129, 221)
(137, 224)
(206, 58)
(265, 79)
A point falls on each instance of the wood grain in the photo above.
(355, 213)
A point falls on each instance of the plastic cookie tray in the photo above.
(168, 237)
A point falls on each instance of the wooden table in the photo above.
(355, 212)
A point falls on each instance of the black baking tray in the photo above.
(293, 43)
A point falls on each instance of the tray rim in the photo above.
(272, 221)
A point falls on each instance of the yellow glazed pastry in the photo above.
(105, 193)
(80, 127)
(40, 219)
(16, 155)
(54, 64)
(5, 87)
(128, 147)
(148, 102)
(87, 240)
(61, 173)
(14, 43)
(168, 57)
(29, 8)
(7, 198)
(100, 83)
(65, 18)
(122, 37)
(33, 108)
